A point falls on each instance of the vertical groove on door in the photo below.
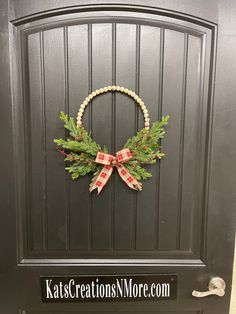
(182, 133)
(160, 100)
(202, 162)
(78, 89)
(54, 103)
(27, 143)
(102, 125)
(34, 135)
(172, 102)
(44, 169)
(190, 150)
(148, 90)
(66, 70)
(124, 128)
(90, 125)
(113, 131)
(136, 124)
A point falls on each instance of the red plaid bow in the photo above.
(109, 162)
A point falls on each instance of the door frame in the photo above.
(223, 154)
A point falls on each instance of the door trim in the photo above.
(113, 7)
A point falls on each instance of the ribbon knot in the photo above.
(114, 163)
(110, 162)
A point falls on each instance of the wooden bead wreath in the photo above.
(86, 156)
(114, 89)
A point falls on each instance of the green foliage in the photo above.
(80, 169)
(88, 147)
(145, 146)
(80, 150)
(82, 140)
(70, 125)
(138, 172)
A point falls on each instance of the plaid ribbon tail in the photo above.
(128, 178)
(102, 179)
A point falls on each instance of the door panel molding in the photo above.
(113, 7)
(110, 312)
(113, 262)
(33, 35)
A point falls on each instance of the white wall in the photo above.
(233, 296)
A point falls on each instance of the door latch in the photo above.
(216, 286)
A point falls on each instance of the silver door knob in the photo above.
(216, 286)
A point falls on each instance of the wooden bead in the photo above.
(119, 89)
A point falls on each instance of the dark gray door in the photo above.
(179, 57)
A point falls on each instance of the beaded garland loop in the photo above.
(83, 155)
(114, 89)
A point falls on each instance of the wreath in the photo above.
(86, 156)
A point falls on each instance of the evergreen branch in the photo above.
(75, 146)
(69, 124)
(138, 172)
(145, 146)
(76, 170)
(82, 150)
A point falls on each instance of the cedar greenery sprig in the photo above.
(145, 149)
(80, 150)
